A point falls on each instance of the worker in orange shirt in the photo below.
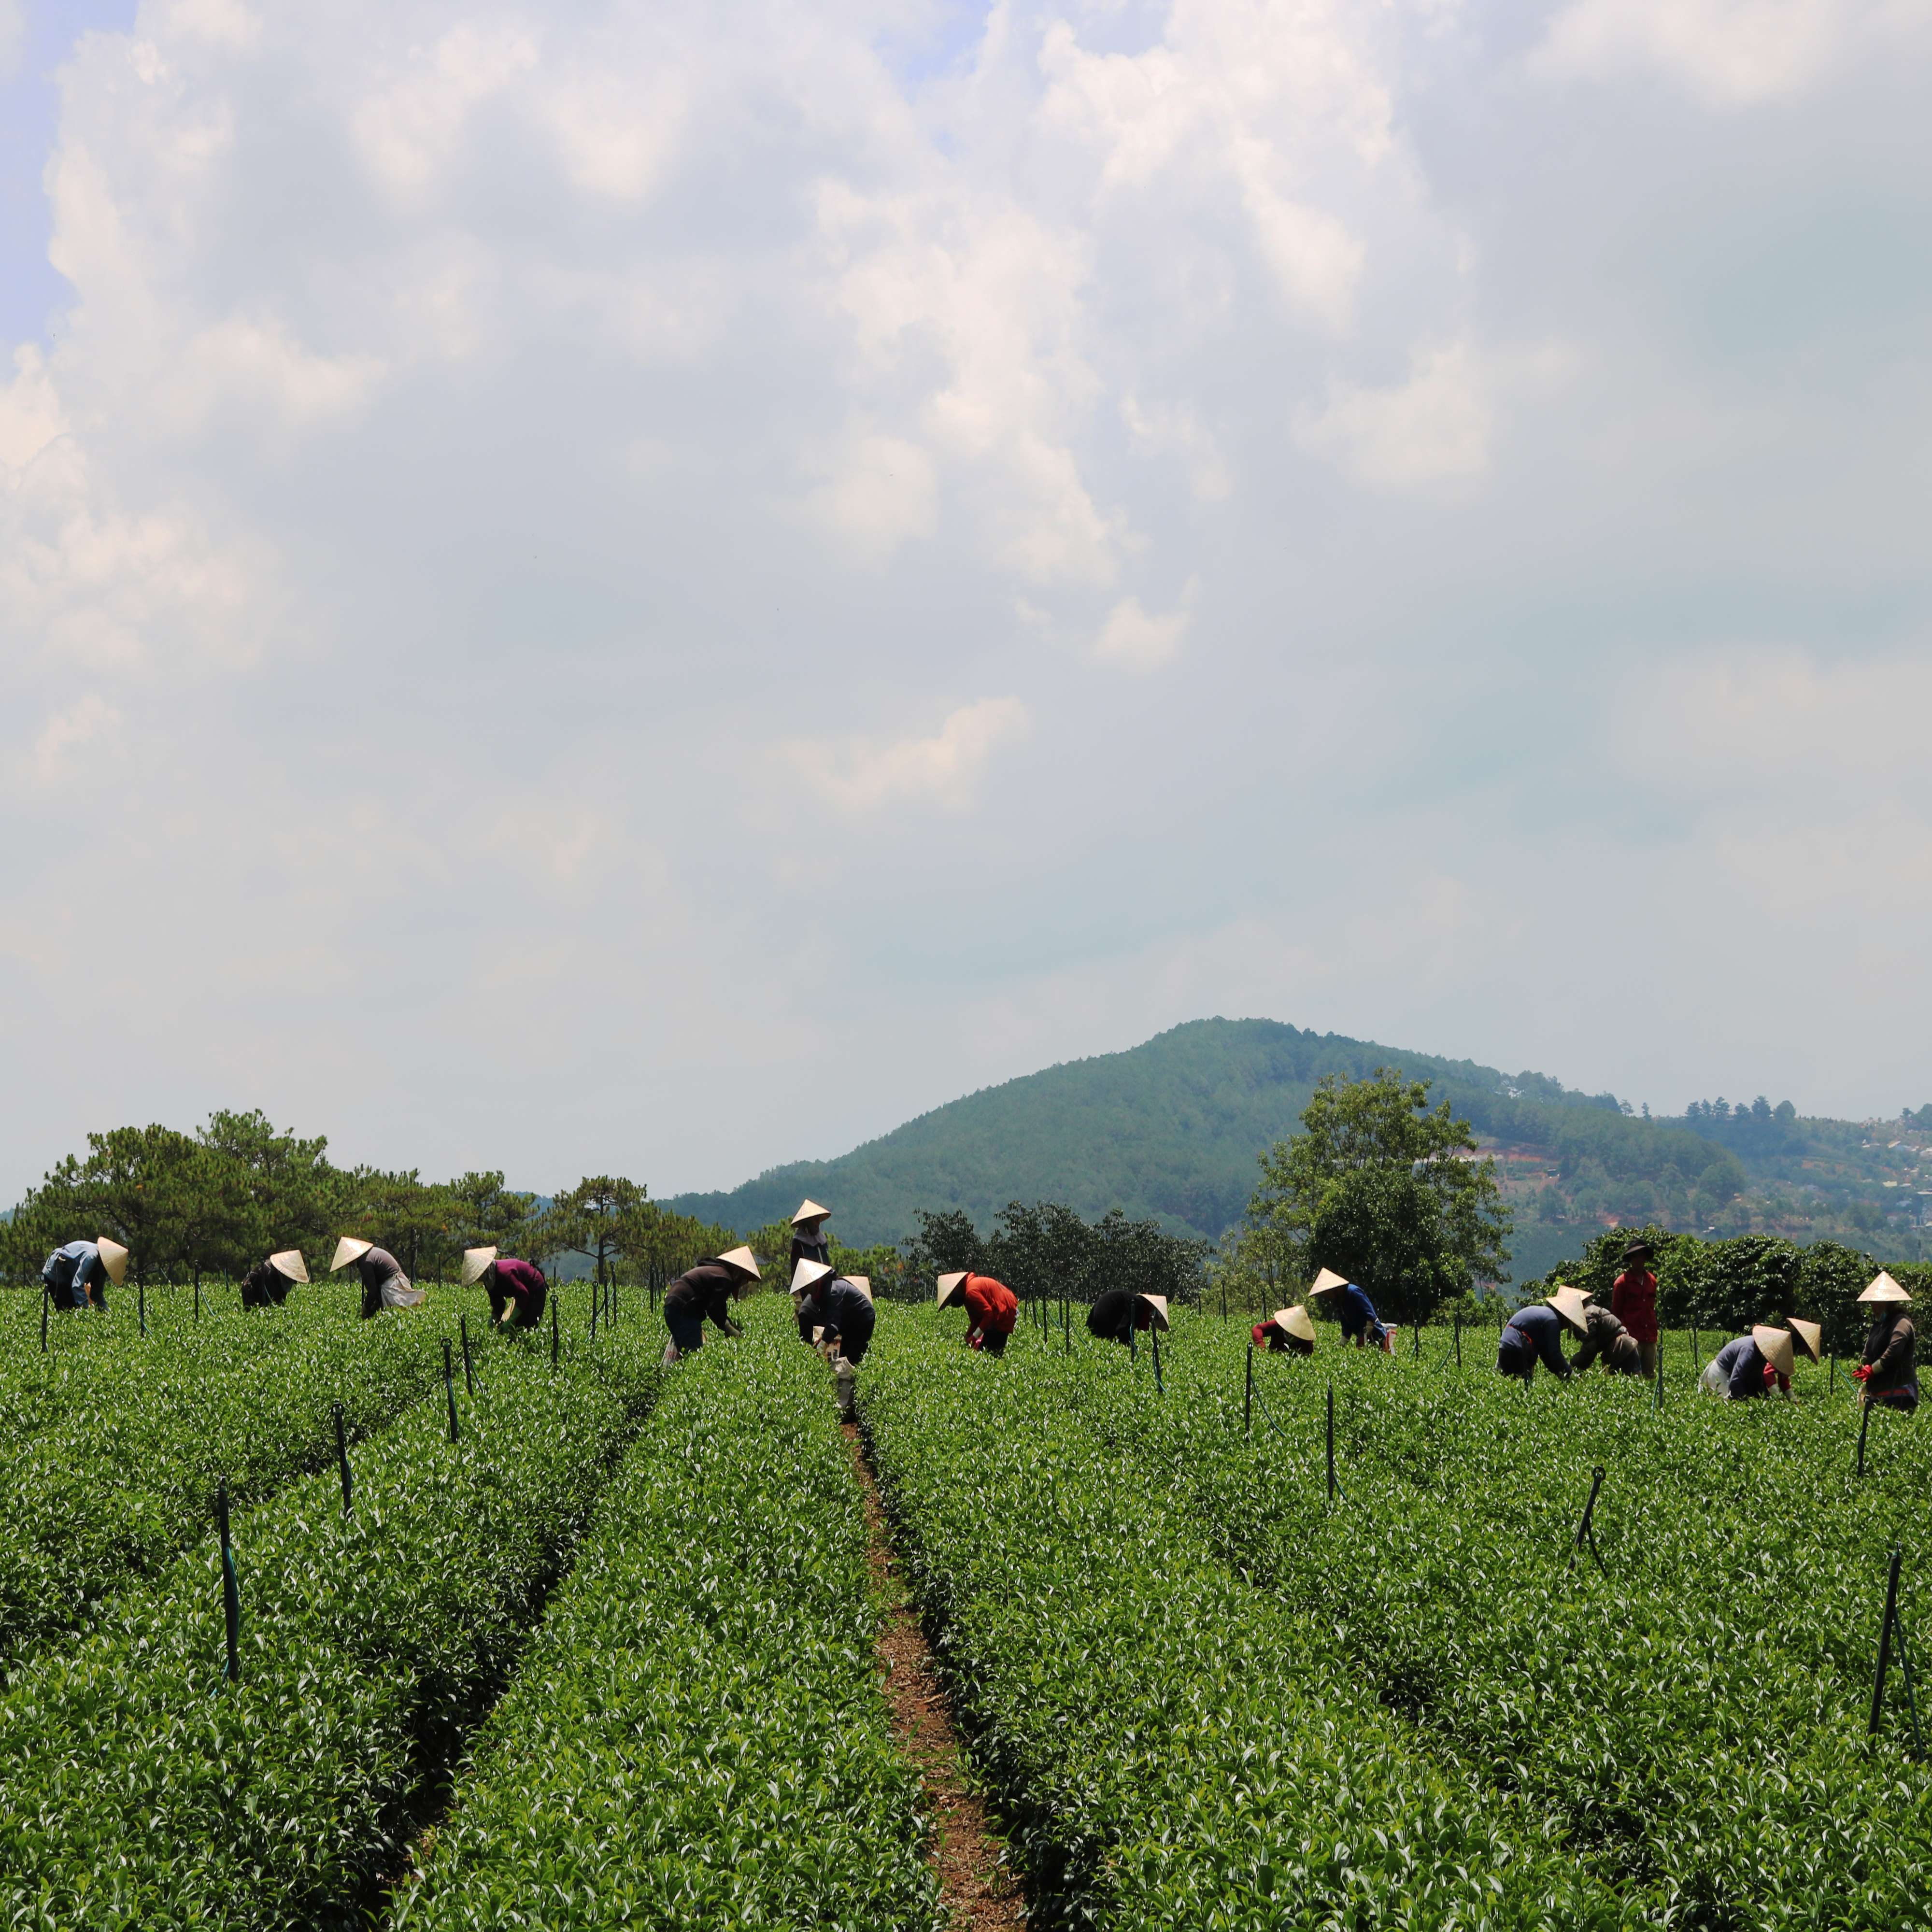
(1633, 1302)
(991, 1308)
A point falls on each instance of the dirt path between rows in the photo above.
(980, 1893)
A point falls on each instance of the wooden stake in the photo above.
(1884, 1645)
(449, 1388)
(1248, 1401)
(46, 1301)
(552, 1330)
(1153, 1335)
(231, 1589)
(342, 1457)
(1864, 1422)
(1331, 1442)
(468, 1373)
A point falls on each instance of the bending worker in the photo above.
(991, 1308)
(517, 1288)
(266, 1285)
(1116, 1314)
(838, 1308)
(1753, 1365)
(76, 1275)
(1633, 1302)
(1288, 1331)
(1889, 1373)
(1606, 1339)
(704, 1293)
(384, 1283)
(1534, 1333)
(1360, 1323)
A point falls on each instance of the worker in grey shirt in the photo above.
(384, 1283)
(76, 1275)
(1606, 1339)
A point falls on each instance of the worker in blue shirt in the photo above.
(76, 1275)
(1342, 1298)
(1534, 1333)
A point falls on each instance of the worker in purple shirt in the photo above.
(1360, 1323)
(517, 1289)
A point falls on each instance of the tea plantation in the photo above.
(607, 1657)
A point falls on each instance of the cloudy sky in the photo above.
(662, 587)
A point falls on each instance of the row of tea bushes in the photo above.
(1170, 1747)
(138, 1789)
(695, 1736)
(117, 1483)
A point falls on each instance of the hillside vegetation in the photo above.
(1171, 1130)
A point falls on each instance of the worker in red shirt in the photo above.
(1633, 1302)
(517, 1290)
(991, 1308)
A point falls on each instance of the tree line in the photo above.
(215, 1201)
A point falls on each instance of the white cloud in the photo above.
(1434, 428)
(1731, 53)
(30, 410)
(1135, 639)
(91, 727)
(882, 491)
(409, 130)
(944, 769)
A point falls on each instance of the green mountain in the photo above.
(1171, 1128)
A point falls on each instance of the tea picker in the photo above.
(704, 1293)
(517, 1288)
(1288, 1331)
(1633, 1302)
(991, 1308)
(76, 1275)
(1360, 1323)
(809, 1243)
(1534, 1333)
(1117, 1314)
(1888, 1376)
(1757, 1363)
(1605, 1339)
(837, 1308)
(384, 1283)
(266, 1285)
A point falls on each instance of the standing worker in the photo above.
(1753, 1365)
(1288, 1331)
(266, 1285)
(384, 1283)
(705, 1292)
(517, 1289)
(1115, 1314)
(1360, 1323)
(1534, 1333)
(1889, 1374)
(809, 1243)
(1607, 1340)
(76, 1275)
(991, 1308)
(1633, 1302)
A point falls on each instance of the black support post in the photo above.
(342, 1458)
(449, 1388)
(231, 1589)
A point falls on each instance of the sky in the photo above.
(659, 589)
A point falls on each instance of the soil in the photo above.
(980, 1892)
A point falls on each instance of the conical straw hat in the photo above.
(806, 1273)
(113, 1258)
(475, 1261)
(1569, 1302)
(1774, 1346)
(1295, 1322)
(348, 1250)
(1884, 1288)
(809, 1210)
(948, 1284)
(1810, 1337)
(289, 1262)
(743, 1259)
(1328, 1281)
(863, 1283)
(1158, 1303)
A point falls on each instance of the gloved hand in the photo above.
(1862, 1373)
(1770, 1377)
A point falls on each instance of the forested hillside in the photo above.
(1171, 1129)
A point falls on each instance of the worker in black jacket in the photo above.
(1889, 1373)
(266, 1285)
(1288, 1331)
(1117, 1313)
(838, 1309)
(704, 1293)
